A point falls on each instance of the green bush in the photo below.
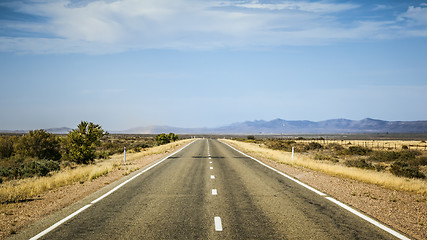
(384, 156)
(137, 147)
(166, 138)
(162, 139)
(110, 148)
(379, 167)
(39, 144)
(336, 147)
(38, 168)
(30, 169)
(80, 143)
(5, 172)
(279, 144)
(111, 145)
(359, 163)
(358, 150)
(390, 156)
(313, 146)
(173, 137)
(403, 169)
(6, 146)
(421, 161)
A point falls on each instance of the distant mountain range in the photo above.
(280, 126)
(62, 130)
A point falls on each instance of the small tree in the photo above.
(6, 146)
(173, 137)
(39, 144)
(166, 138)
(162, 139)
(81, 142)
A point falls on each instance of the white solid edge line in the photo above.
(46, 231)
(279, 172)
(137, 175)
(60, 222)
(218, 224)
(214, 192)
(366, 218)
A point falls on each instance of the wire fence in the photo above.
(373, 144)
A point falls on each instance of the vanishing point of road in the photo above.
(210, 191)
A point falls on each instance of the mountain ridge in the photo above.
(278, 126)
(281, 126)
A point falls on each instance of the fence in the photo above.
(374, 144)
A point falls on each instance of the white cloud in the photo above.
(55, 46)
(318, 7)
(98, 26)
(381, 7)
(415, 20)
(415, 15)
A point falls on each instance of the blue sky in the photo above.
(189, 63)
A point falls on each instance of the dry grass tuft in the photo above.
(29, 188)
(383, 179)
(26, 189)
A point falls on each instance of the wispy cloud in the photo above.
(113, 26)
(415, 19)
(318, 7)
(381, 7)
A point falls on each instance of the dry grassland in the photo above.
(376, 144)
(26, 189)
(383, 179)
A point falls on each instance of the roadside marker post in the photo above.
(292, 152)
(124, 157)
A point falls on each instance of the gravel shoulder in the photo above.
(403, 211)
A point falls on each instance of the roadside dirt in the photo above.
(403, 211)
(14, 216)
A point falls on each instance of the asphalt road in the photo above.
(175, 200)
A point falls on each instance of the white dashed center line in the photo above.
(218, 224)
(217, 220)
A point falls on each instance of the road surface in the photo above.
(210, 191)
